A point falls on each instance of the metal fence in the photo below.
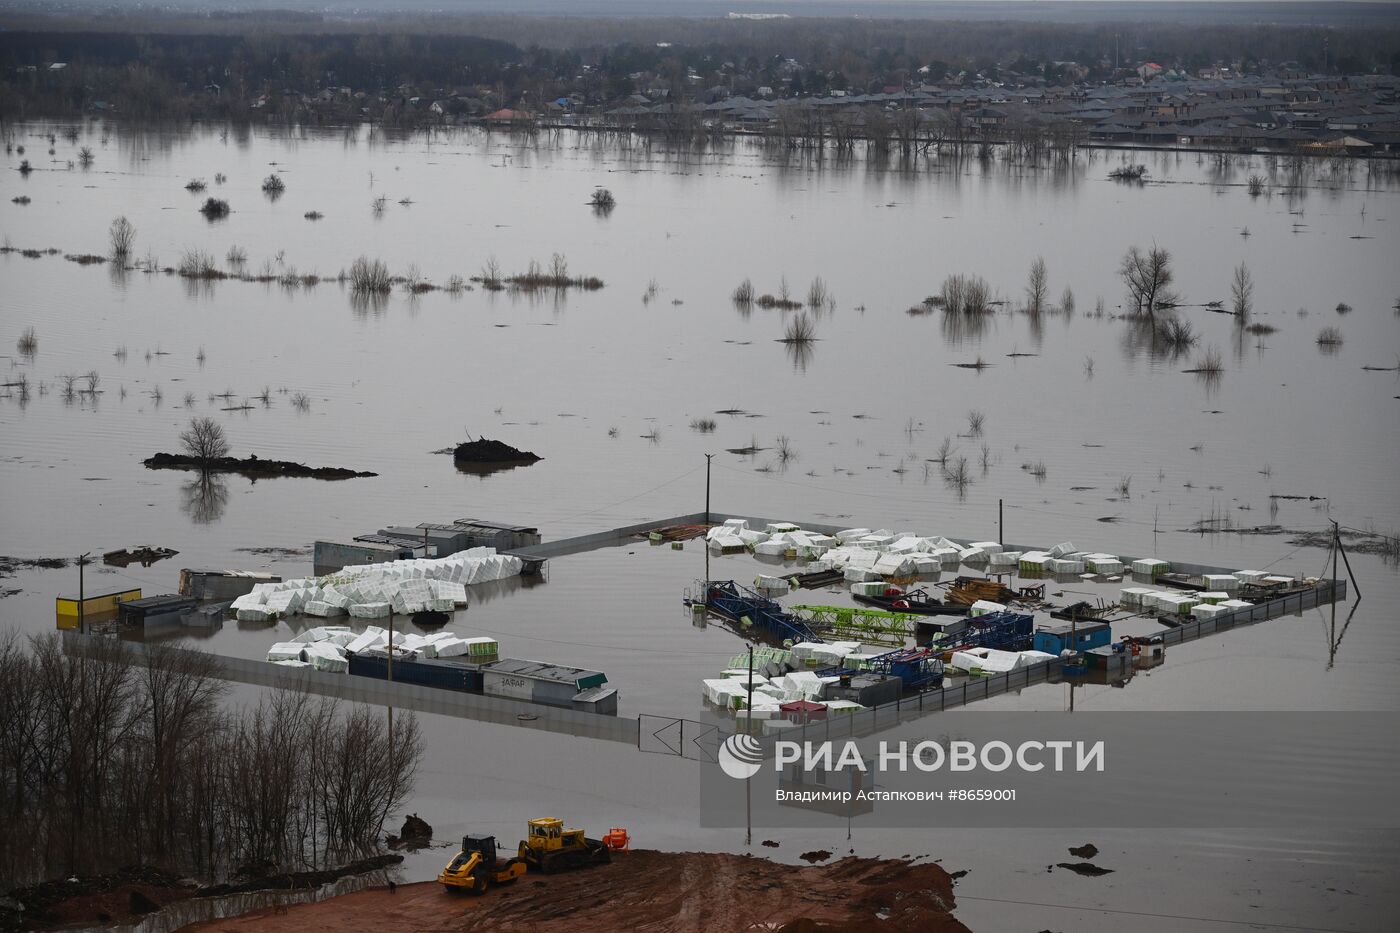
(683, 738)
(879, 718)
(398, 695)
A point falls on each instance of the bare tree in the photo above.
(1037, 286)
(1148, 277)
(122, 235)
(1242, 291)
(205, 441)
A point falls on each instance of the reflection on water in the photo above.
(205, 498)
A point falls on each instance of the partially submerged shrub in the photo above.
(1176, 333)
(274, 185)
(743, 294)
(965, 294)
(28, 343)
(197, 264)
(801, 329)
(122, 235)
(603, 201)
(195, 184)
(703, 425)
(215, 208)
(1329, 337)
(370, 276)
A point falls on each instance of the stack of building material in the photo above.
(1150, 567)
(1250, 576)
(1132, 597)
(474, 647)
(285, 651)
(1065, 565)
(325, 656)
(983, 607)
(1222, 582)
(1106, 564)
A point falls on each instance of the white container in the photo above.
(985, 606)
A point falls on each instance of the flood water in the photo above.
(605, 384)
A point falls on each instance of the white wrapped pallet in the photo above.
(879, 539)
(446, 589)
(1034, 562)
(727, 544)
(1061, 549)
(859, 575)
(1065, 565)
(292, 662)
(802, 652)
(1225, 582)
(247, 601)
(371, 637)
(1237, 604)
(822, 541)
(843, 707)
(369, 610)
(984, 607)
(894, 565)
(736, 523)
(1131, 597)
(947, 556)
(769, 584)
(279, 603)
(907, 545)
(1150, 566)
(1004, 560)
(973, 555)
(1213, 597)
(771, 548)
(991, 547)
(872, 588)
(749, 536)
(925, 564)
(1250, 576)
(322, 610)
(285, 651)
(1208, 611)
(774, 528)
(1103, 563)
(851, 534)
(326, 657)
(256, 614)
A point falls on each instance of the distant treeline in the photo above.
(149, 64)
(105, 764)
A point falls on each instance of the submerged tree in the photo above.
(122, 235)
(1242, 291)
(205, 441)
(1037, 286)
(1148, 277)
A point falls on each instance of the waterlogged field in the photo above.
(1083, 422)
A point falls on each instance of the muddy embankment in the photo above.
(652, 891)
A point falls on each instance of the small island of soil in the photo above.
(251, 467)
(486, 451)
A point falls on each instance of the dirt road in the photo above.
(650, 891)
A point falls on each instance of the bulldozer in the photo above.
(477, 867)
(549, 847)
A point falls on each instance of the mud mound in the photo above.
(484, 450)
(644, 891)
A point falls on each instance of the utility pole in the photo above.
(1001, 525)
(708, 458)
(1337, 541)
(748, 782)
(82, 615)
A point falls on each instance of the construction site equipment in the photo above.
(850, 622)
(968, 590)
(917, 668)
(617, 839)
(741, 605)
(916, 601)
(476, 867)
(1005, 631)
(549, 847)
